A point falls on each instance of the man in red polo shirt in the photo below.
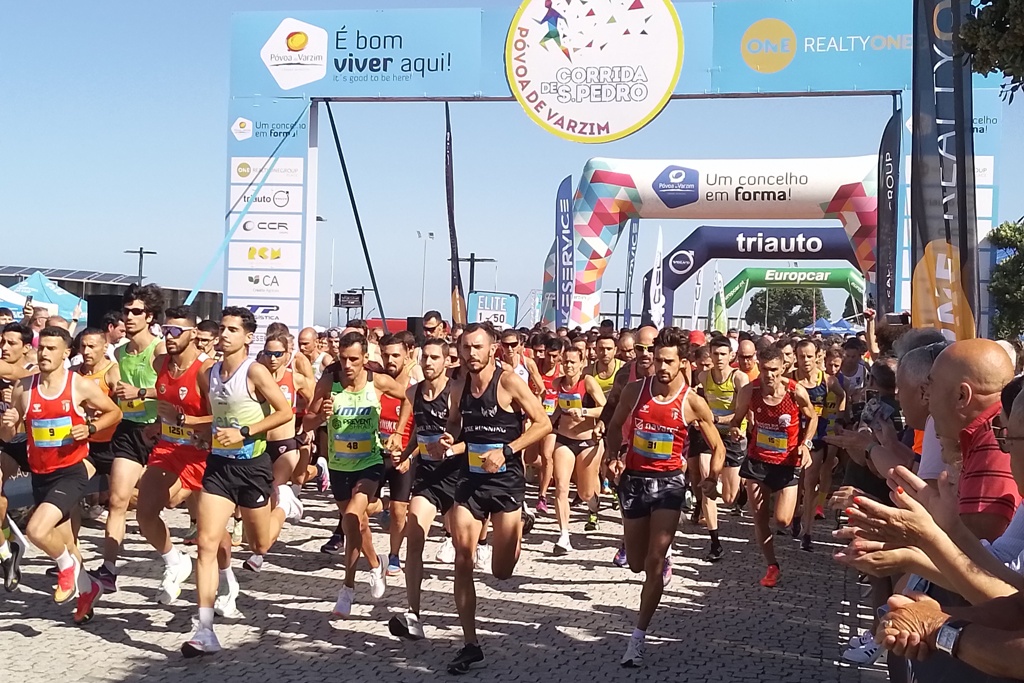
(963, 399)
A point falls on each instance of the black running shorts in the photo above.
(63, 488)
(279, 448)
(131, 443)
(775, 477)
(488, 494)
(342, 483)
(18, 450)
(735, 451)
(437, 481)
(245, 482)
(101, 455)
(577, 446)
(641, 494)
(399, 483)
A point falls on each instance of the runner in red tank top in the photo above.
(178, 460)
(548, 351)
(655, 415)
(53, 406)
(780, 447)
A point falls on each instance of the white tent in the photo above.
(12, 300)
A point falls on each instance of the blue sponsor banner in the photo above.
(634, 239)
(497, 308)
(359, 53)
(805, 45)
(565, 273)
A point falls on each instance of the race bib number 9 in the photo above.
(52, 433)
(476, 452)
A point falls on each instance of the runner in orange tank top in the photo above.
(105, 374)
(53, 406)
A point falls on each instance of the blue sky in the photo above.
(114, 136)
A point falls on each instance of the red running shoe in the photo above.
(83, 608)
(771, 577)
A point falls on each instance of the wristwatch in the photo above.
(244, 431)
(181, 419)
(948, 637)
(142, 393)
(809, 444)
(92, 428)
(507, 451)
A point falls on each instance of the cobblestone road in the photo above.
(564, 618)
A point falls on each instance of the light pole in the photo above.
(142, 252)
(330, 319)
(426, 237)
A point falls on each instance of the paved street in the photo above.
(564, 618)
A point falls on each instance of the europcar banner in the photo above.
(848, 279)
(634, 239)
(758, 244)
(564, 273)
(613, 191)
(943, 221)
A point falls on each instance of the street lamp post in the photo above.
(426, 237)
(142, 252)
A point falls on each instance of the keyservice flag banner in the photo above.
(564, 273)
(634, 239)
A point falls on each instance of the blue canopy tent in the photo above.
(43, 290)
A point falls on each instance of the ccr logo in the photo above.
(768, 46)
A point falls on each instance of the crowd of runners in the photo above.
(441, 435)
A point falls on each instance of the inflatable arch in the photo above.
(748, 279)
(611, 191)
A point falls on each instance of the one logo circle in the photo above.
(243, 170)
(768, 46)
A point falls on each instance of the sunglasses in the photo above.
(134, 311)
(1002, 439)
(430, 330)
(174, 331)
(646, 348)
(275, 354)
(510, 345)
(204, 340)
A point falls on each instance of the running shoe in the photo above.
(529, 519)
(106, 577)
(67, 583)
(394, 565)
(254, 563)
(736, 510)
(191, 535)
(469, 655)
(384, 519)
(334, 544)
(695, 516)
(445, 552)
(378, 578)
(86, 600)
(406, 626)
(861, 640)
(805, 543)
(615, 502)
(322, 479)
(576, 501)
(203, 642)
(819, 512)
(620, 557)
(236, 533)
(12, 566)
(97, 513)
(287, 500)
(634, 657)
(689, 502)
(797, 527)
(542, 506)
(343, 606)
(225, 605)
(771, 577)
(666, 572)
(562, 545)
(174, 576)
(592, 523)
(716, 553)
(865, 655)
(483, 558)
(606, 488)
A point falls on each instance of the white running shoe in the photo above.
(861, 640)
(562, 545)
(224, 605)
(634, 657)
(406, 626)
(287, 500)
(446, 552)
(378, 578)
(254, 563)
(483, 558)
(174, 576)
(865, 655)
(343, 607)
(203, 642)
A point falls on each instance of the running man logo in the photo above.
(768, 46)
(264, 253)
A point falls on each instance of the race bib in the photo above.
(772, 441)
(819, 409)
(244, 451)
(133, 409)
(476, 451)
(424, 441)
(52, 433)
(549, 404)
(653, 445)
(182, 436)
(570, 401)
(353, 445)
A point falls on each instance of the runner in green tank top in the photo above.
(131, 443)
(348, 397)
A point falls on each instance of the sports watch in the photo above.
(92, 429)
(507, 451)
(244, 431)
(809, 444)
(142, 393)
(948, 637)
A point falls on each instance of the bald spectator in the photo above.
(963, 398)
(746, 359)
(626, 352)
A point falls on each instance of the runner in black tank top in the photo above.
(491, 407)
(437, 474)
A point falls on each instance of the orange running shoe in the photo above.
(771, 577)
(67, 583)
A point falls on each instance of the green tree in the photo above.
(1006, 287)
(994, 40)
(853, 312)
(789, 308)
